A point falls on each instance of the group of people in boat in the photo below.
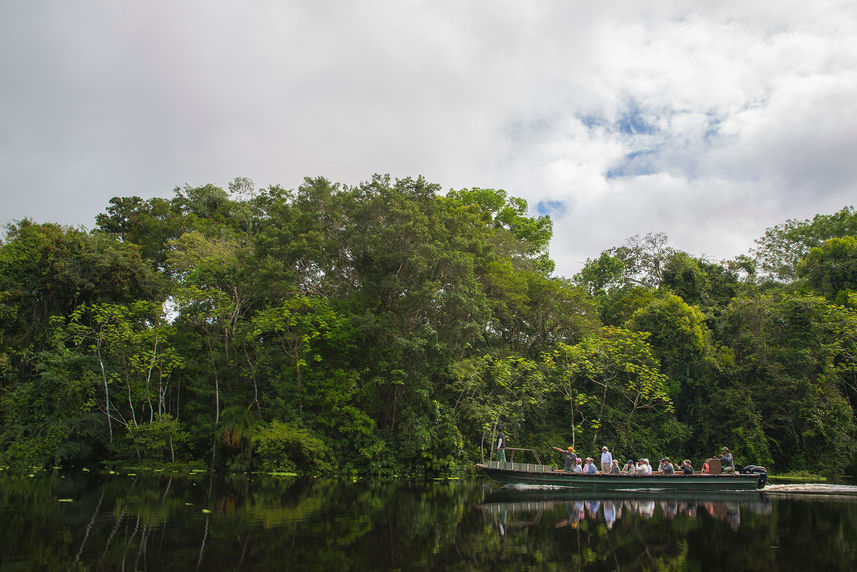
(609, 465)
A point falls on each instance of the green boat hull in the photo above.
(545, 475)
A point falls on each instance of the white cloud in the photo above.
(709, 122)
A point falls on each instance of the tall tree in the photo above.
(782, 247)
(614, 389)
(831, 269)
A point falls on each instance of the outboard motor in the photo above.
(756, 470)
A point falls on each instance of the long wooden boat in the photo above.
(546, 475)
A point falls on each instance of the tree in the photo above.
(677, 333)
(601, 275)
(643, 259)
(786, 350)
(614, 388)
(47, 270)
(781, 249)
(130, 344)
(494, 392)
(684, 276)
(831, 269)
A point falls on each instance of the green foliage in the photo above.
(643, 259)
(395, 329)
(280, 447)
(497, 392)
(831, 269)
(601, 275)
(684, 277)
(781, 249)
(47, 270)
(613, 386)
(153, 443)
(51, 418)
(617, 306)
(678, 335)
(789, 355)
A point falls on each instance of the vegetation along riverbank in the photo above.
(389, 328)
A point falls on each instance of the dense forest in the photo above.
(388, 328)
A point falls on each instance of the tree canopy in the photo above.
(390, 328)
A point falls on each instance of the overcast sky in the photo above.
(707, 121)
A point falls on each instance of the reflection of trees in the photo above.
(149, 522)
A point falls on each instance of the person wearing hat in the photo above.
(726, 461)
(606, 460)
(630, 467)
(590, 468)
(667, 467)
(570, 458)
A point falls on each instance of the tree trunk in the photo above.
(106, 393)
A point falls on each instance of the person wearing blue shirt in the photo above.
(590, 468)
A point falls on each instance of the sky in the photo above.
(707, 121)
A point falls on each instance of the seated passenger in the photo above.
(641, 467)
(666, 467)
(686, 467)
(726, 461)
(630, 468)
(590, 468)
(648, 466)
(614, 469)
(578, 467)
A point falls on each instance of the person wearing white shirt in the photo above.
(606, 460)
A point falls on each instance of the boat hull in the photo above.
(544, 475)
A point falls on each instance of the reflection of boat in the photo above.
(517, 505)
(539, 474)
(527, 496)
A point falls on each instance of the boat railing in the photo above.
(511, 464)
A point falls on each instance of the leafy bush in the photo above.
(155, 442)
(283, 448)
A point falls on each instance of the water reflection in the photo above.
(510, 507)
(202, 522)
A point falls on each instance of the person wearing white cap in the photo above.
(606, 460)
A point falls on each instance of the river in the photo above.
(158, 522)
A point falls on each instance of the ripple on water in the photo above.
(812, 489)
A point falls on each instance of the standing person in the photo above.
(570, 458)
(501, 446)
(606, 460)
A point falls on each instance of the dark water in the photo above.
(160, 523)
